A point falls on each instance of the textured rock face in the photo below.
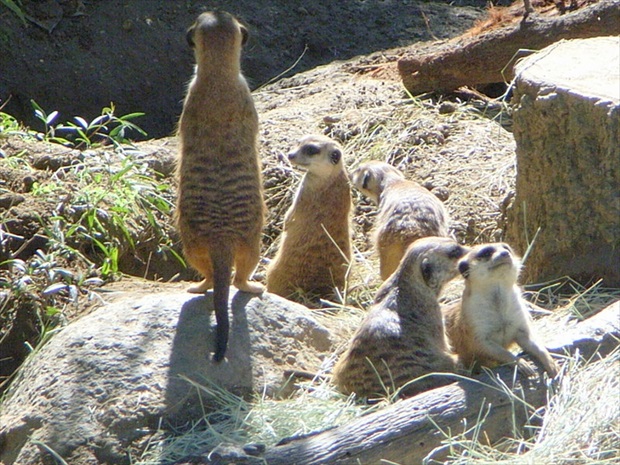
(566, 126)
(107, 379)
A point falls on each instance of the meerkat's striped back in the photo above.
(220, 209)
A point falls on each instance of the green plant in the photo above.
(114, 205)
(105, 128)
(8, 124)
(15, 7)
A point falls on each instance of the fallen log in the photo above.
(480, 59)
(408, 431)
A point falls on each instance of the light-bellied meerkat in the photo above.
(492, 314)
(220, 208)
(407, 211)
(315, 246)
(403, 336)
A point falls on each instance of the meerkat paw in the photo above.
(525, 368)
(250, 286)
(201, 287)
(553, 369)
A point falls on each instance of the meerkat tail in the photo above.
(221, 259)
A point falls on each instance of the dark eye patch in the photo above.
(456, 252)
(486, 252)
(464, 269)
(311, 150)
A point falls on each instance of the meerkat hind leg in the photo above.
(390, 257)
(201, 261)
(246, 260)
(532, 347)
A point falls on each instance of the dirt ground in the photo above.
(81, 55)
(449, 145)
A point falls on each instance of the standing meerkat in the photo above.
(315, 247)
(403, 335)
(407, 211)
(220, 208)
(492, 314)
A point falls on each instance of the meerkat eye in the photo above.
(311, 150)
(335, 156)
(486, 253)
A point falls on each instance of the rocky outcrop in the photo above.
(106, 380)
(567, 127)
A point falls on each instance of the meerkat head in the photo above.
(490, 263)
(216, 32)
(373, 176)
(432, 261)
(319, 155)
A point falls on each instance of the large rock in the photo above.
(105, 381)
(566, 127)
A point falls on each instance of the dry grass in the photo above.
(581, 424)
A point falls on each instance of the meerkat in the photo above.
(403, 336)
(492, 314)
(407, 211)
(315, 246)
(220, 207)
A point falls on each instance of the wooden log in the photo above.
(479, 59)
(408, 431)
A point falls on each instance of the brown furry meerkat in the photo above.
(403, 335)
(407, 211)
(492, 314)
(220, 208)
(315, 247)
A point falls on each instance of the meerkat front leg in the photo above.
(532, 347)
(495, 351)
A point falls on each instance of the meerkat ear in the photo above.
(244, 34)
(189, 36)
(427, 272)
(366, 180)
(335, 156)
(464, 268)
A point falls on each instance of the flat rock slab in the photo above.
(107, 379)
(587, 67)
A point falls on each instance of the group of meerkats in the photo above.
(406, 334)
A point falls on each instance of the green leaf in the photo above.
(11, 5)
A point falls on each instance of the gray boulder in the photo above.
(105, 381)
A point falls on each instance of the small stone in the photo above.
(10, 200)
(441, 192)
(446, 108)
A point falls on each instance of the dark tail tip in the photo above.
(219, 354)
(221, 335)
